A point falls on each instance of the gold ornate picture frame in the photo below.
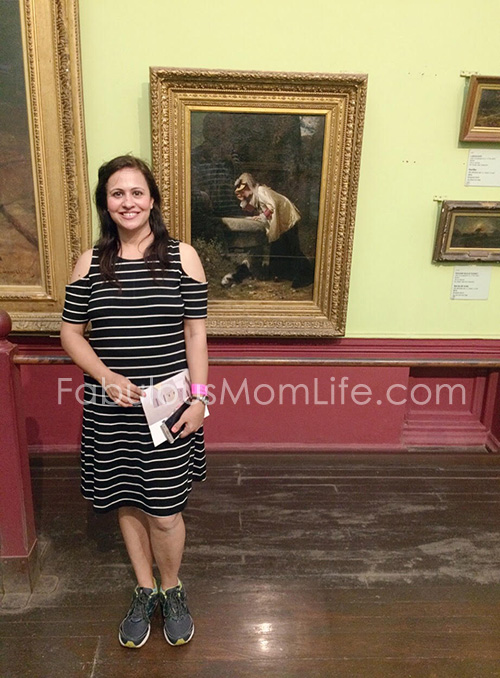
(295, 138)
(481, 116)
(468, 231)
(44, 196)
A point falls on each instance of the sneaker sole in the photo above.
(131, 644)
(181, 641)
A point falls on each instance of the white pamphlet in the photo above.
(164, 402)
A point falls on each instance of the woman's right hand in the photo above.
(121, 390)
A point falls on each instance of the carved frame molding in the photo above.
(50, 35)
(341, 98)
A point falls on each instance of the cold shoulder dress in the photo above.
(137, 331)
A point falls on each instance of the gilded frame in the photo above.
(482, 105)
(340, 98)
(468, 231)
(51, 54)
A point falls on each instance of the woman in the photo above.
(145, 296)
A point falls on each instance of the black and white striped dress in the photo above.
(138, 332)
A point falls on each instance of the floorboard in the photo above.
(358, 566)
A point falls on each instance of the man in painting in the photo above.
(279, 219)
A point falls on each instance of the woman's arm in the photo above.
(120, 389)
(73, 341)
(195, 336)
(79, 350)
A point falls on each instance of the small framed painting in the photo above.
(481, 119)
(468, 231)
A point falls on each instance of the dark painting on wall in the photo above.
(481, 115)
(19, 253)
(488, 112)
(259, 171)
(44, 197)
(468, 231)
(476, 232)
(256, 246)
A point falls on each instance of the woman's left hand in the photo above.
(191, 419)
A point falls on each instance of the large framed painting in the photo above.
(44, 202)
(259, 171)
(468, 231)
(481, 117)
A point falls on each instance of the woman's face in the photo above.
(129, 201)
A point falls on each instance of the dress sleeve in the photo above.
(194, 296)
(76, 302)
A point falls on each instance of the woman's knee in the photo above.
(165, 523)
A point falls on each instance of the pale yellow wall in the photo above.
(413, 52)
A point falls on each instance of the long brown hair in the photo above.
(108, 244)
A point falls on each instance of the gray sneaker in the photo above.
(135, 628)
(178, 625)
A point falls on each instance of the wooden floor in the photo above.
(296, 567)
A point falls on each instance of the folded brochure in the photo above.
(164, 403)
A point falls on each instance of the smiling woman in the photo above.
(129, 206)
(147, 312)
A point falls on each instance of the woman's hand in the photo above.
(191, 419)
(121, 390)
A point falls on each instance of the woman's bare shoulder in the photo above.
(82, 266)
(190, 262)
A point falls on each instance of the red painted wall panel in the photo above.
(330, 406)
(17, 527)
(452, 390)
(359, 419)
(53, 418)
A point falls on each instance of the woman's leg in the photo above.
(167, 543)
(134, 525)
(149, 537)
(135, 627)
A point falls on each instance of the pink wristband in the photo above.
(199, 389)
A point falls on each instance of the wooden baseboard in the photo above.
(19, 574)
